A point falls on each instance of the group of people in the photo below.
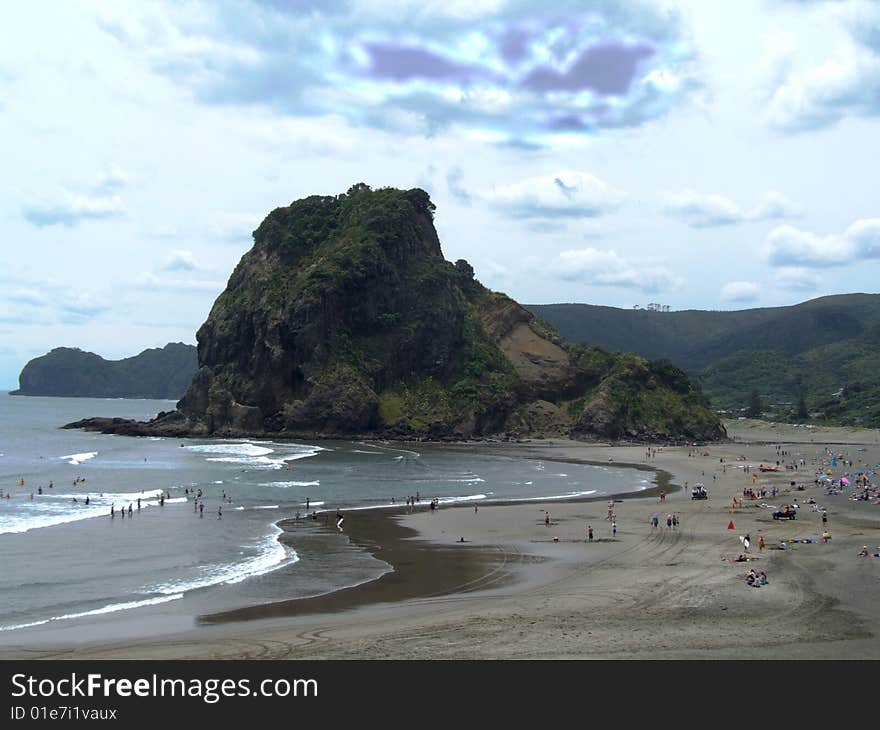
(756, 579)
(672, 521)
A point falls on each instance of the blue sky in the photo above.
(700, 154)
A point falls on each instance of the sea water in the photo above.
(62, 559)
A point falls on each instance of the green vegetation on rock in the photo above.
(345, 319)
(162, 373)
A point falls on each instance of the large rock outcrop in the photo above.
(164, 372)
(344, 319)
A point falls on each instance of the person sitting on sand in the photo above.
(864, 552)
(741, 558)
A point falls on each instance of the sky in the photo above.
(701, 154)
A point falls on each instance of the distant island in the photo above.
(160, 373)
(815, 361)
(345, 320)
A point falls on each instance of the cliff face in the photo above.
(345, 319)
(156, 373)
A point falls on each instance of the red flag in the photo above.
(730, 525)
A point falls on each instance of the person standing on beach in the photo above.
(547, 519)
(220, 512)
(760, 543)
(668, 522)
(655, 520)
(202, 509)
(590, 533)
(614, 529)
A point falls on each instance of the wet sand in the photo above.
(519, 589)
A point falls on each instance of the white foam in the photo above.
(570, 495)
(243, 449)
(270, 556)
(469, 498)
(250, 454)
(111, 608)
(286, 485)
(265, 506)
(77, 459)
(354, 451)
(49, 510)
(423, 503)
(313, 504)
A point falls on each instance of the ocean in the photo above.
(64, 559)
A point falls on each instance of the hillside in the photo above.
(344, 319)
(811, 350)
(162, 373)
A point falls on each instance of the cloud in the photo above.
(148, 280)
(739, 291)
(79, 307)
(797, 279)
(806, 95)
(594, 267)
(700, 210)
(775, 206)
(97, 201)
(569, 193)
(456, 190)
(179, 261)
(789, 246)
(47, 302)
(703, 211)
(232, 227)
(71, 210)
(517, 69)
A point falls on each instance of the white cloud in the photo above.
(606, 268)
(789, 246)
(775, 206)
(72, 209)
(739, 291)
(148, 280)
(797, 279)
(568, 193)
(179, 260)
(76, 203)
(804, 93)
(701, 210)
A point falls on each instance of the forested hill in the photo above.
(155, 373)
(810, 351)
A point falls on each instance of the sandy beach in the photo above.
(498, 582)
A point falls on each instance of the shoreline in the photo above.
(648, 593)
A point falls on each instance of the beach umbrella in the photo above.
(844, 480)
